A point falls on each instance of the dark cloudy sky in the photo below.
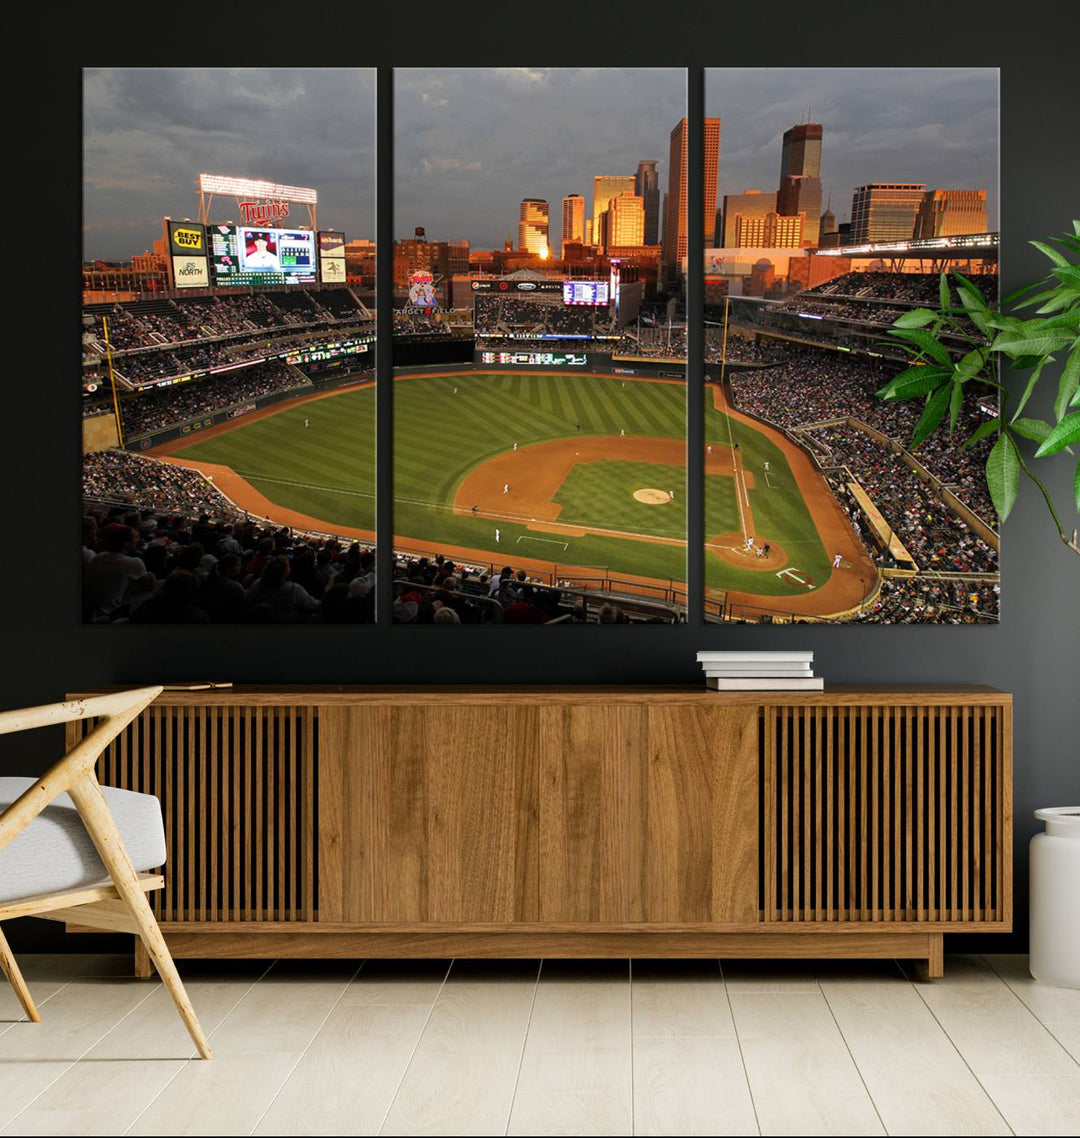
(932, 125)
(469, 144)
(148, 132)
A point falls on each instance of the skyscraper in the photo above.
(885, 211)
(626, 220)
(647, 187)
(605, 187)
(573, 219)
(750, 203)
(800, 177)
(533, 226)
(946, 213)
(675, 200)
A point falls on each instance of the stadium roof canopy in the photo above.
(528, 275)
(984, 245)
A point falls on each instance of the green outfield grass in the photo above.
(446, 425)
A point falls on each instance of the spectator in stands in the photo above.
(276, 599)
(177, 602)
(115, 578)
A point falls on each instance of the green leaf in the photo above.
(936, 405)
(1063, 298)
(943, 291)
(1076, 227)
(1034, 429)
(1068, 274)
(1063, 435)
(980, 432)
(916, 318)
(970, 365)
(1050, 251)
(917, 380)
(1030, 341)
(1003, 474)
(1016, 294)
(977, 313)
(956, 401)
(925, 342)
(1068, 385)
(1032, 380)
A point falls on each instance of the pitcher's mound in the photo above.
(652, 497)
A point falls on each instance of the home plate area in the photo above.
(652, 497)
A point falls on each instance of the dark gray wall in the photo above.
(1034, 652)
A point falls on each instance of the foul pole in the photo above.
(112, 380)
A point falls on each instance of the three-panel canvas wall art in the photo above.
(545, 248)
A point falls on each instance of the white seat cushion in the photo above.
(55, 852)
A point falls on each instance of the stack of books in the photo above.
(760, 671)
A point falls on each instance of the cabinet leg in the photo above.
(935, 963)
(143, 969)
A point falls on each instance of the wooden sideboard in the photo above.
(576, 821)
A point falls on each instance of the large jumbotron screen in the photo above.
(250, 255)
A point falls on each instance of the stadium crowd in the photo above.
(915, 600)
(934, 536)
(158, 408)
(808, 386)
(917, 288)
(150, 324)
(180, 553)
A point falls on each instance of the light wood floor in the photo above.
(659, 1047)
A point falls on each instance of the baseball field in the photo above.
(546, 470)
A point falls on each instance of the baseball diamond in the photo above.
(550, 455)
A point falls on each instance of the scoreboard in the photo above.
(585, 292)
(245, 255)
(536, 359)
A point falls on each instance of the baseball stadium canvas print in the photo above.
(539, 346)
(228, 345)
(846, 201)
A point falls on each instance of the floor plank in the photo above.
(347, 1078)
(994, 1031)
(801, 1076)
(679, 998)
(917, 1080)
(691, 1084)
(397, 982)
(576, 1071)
(154, 1030)
(34, 1055)
(462, 1077)
(769, 976)
(1058, 1009)
(1038, 1104)
(226, 1095)
(285, 1009)
(96, 1097)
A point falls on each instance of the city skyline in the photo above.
(460, 168)
(934, 125)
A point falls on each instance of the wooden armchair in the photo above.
(55, 873)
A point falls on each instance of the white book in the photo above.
(750, 674)
(755, 657)
(814, 683)
(761, 668)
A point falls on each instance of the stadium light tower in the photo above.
(259, 202)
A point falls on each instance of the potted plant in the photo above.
(945, 376)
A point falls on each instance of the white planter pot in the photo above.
(1055, 899)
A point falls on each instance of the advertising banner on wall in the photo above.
(187, 254)
(331, 257)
